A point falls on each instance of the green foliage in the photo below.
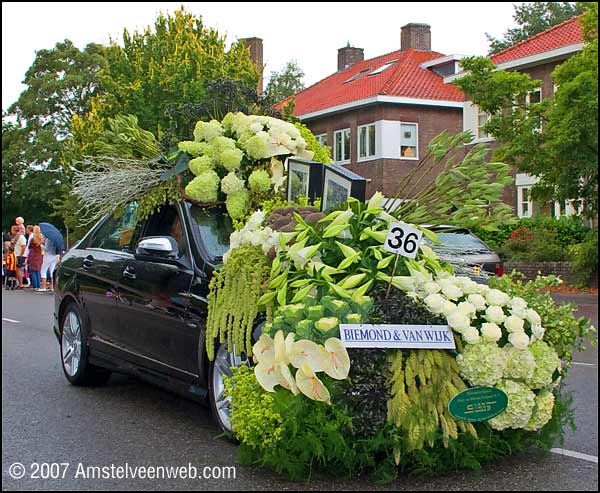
(556, 139)
(126, 139)
(564, 332)
(254, 420)
(585, 258)
(533, 18)
(322, 153)
(166, 193)
(285, 83)
(233, 300)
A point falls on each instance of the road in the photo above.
(126, 422)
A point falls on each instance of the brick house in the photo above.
(536, 56)
(378, 115)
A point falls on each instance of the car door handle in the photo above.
(88, 262)
(128, 273)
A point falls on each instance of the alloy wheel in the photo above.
(71, 343)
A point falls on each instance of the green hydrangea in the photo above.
(222, 143)
(231, 159)
(520, 365)
(207, 131)
(546, 363)
(257, 147)
(542, 412)
(238, 204)
(231, 184)
(201, 164)
(194, 148)
(520, 406)
(205, 187)
(259, 181)
(482, 364)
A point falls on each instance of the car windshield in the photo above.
(459, 241)
(213, 226)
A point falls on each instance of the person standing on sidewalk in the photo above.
(35, 257)
(48, 264)
(20, 244)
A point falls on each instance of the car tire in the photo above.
(74, 351)
(220, 367)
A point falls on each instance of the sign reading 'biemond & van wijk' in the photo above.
(397, 336)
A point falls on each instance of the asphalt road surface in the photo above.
(128, 424)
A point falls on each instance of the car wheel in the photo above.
(219, 368)
(74, 351)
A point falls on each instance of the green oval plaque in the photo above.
(478, 404)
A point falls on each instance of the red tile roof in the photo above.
(563, 34)
(404, 79)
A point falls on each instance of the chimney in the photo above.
(349, 56)
(415, 36)
(255, 45)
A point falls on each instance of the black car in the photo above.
(131, 297)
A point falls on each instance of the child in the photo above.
(11, 268)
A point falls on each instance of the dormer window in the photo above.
(383, 67)
(356, 76)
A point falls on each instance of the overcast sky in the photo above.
(310, 33)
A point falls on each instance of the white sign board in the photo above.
(397, 336)
(403, 239)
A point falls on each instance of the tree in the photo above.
(533, 18)
(60, 83)
(163, 75)
(285, 83)
(556, 139)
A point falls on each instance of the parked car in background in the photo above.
(466, 252)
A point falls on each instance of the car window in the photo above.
(460, 241)
(167, 222)
(118, 232)
(213, 227)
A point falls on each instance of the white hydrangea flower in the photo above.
(435, 303)
(517, 303)
(514, 324)
(450, 290)
(497, 297)
(491, 332)
(256, 220)
(467, 308)
(471, 335)
(478, 301)
(458, 320)
(448, 308)
(519, 340)
(495, 314)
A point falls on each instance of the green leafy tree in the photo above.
(163, 75)
(285, 83)
(60, 83)
(533, 18)
(555, 139)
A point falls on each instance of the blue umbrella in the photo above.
(54, 235)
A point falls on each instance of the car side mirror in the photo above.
(157, 248)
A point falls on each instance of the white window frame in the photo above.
(345, 159)
(416, 158)
(521, 202)
(322, 139)
(367, 156)
(480, 133)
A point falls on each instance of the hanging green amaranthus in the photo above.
(233, 299)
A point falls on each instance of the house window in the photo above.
(409, 141)
(534, 96)
(366, 141)
(321, 139)
(482, 119)
(525, 204)
(341, 140)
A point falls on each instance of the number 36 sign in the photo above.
(403, 240)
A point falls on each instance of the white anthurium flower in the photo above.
(286, 379)
(514, 324)
(279, 346)
(537, 331)
(490, 332)
(467, 308)
(435, 303)
(432, 287)
(471, 335)
(309, 353)
(310, 385)
(448, 308)
(495, 314)
(264, 349)
(458, 321)
(266, 375)
(520, 340)
(278, 176)
(497, 297)
(533, 317)
(478, 301)
(339, 361)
